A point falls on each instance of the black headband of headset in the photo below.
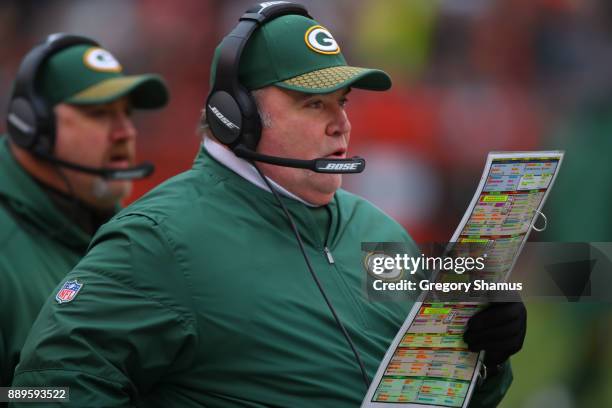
(226, 73)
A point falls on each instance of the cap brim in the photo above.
(145, 92)
(331, 79)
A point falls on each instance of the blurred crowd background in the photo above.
(470, 76)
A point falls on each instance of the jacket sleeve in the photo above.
(127, 328)
(492, 391)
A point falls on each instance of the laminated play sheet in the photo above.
(428, 364)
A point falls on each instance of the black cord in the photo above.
(316, 279)
(71, 193)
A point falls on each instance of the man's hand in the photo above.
(499, 330)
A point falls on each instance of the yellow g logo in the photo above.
(99, 59)
(320, 40)
(374, 265)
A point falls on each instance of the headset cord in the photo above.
(71, 193)
(366, 380)
(69, 187)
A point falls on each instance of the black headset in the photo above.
(30, 119)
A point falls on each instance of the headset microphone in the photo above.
(321, 165)
(142, 170)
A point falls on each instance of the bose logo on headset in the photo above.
(222, 118)
(341, 166)
(319, 39)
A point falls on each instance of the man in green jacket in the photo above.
(239, 283)
(69, 121)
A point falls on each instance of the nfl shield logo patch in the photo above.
(68, 292)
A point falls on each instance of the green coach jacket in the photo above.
(38, 247)
(198, 295)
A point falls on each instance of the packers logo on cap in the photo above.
(99, 59)
(320, 40)
(379, 271)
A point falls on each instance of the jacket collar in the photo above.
(317, 225)
(245, 169)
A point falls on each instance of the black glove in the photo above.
(499, 330)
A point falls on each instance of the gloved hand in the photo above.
(499, 330)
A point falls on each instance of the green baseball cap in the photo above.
(297, 53)
(88, 75)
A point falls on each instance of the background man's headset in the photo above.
(233, 119)
(31, 121)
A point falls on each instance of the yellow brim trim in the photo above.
(150, 89)
(331, 79)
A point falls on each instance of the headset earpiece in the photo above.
(21, 123)
(224, 117)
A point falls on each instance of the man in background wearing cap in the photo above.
(198, 294)
(48, 212)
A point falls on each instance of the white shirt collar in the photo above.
(245, 169)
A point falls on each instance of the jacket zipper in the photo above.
(326, 250)
(328, 254)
